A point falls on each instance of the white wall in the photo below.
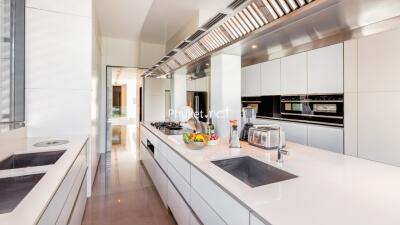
(150, 54)
(119, 52)
(226, 90)
(97, 125)
(58, 67)
(154, 98)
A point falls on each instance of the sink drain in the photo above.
(51, 143)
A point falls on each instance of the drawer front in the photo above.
(255, 221)
(161, 159)
(156, 174)
(180, 164)
(147, 160)
(161, 183)
(72, 196)
(179, 182)
(203, 210)
(178, 206)
(163, 148)
(218, 199)
(143, 134)
(147, 135)
(193, 220)
(55, 207)
(79, 208)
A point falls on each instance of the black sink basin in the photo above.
(14, 189)
(30, 160)
(253, 172)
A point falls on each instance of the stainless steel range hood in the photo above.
(283, 27)
(199, 69)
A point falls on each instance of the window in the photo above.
(12, 63)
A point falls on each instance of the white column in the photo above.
(225, 91)
(178, 89)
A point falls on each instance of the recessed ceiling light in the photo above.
(254, 46)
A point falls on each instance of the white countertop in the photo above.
(30, 209)
(331, 188)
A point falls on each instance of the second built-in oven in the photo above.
(319, 109)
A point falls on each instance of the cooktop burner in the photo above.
(169, 128)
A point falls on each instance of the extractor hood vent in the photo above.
(214, 21)
(172, 53)
(183, 44)
(240, 20)
(195, 35)
(236, 4)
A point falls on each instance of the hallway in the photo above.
(123, 193)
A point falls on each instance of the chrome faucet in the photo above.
(281, 150)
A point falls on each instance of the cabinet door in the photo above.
(203, 210)
(253, 80)
(328, 138)
(295, 132)
(202, 84)
(294, 74)
(271, 77)
(218, 200)
(190, 85)
(178, 207)
(325, 70)
(243, 82)
(378, 135)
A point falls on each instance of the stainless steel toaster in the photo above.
(267, 136)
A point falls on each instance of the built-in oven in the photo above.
(253, 102)
(320, 109)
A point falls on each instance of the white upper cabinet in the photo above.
(328, 138)
(271, 77)
(202, 84)
(253, 80)
(243, 82)
(325, 70)
(190, 85)
(294, 74)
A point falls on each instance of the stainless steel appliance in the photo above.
(319, 109)
(198, 101)
(249, 114)
(169, 128)
(267, 136)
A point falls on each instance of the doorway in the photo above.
(122, 102)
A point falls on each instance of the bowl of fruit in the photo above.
(194, 141)
(213, 139)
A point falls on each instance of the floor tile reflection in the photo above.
(123, 193)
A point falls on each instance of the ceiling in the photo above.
(154, 21)
(122, 19)
(122, 76)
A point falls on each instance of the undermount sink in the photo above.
(31, 159)
(253, 172)
(14, 189)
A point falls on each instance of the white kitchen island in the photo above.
(330, 189)
(60, 195)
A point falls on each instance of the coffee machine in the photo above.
(249, 114)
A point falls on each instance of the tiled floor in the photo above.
(123, 193)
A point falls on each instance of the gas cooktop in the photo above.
(169, 128)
